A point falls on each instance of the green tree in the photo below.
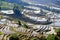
(19, 23)
(50, 37)
(43, 38)
(0, 8)
(58, 33)
(24, 25)
(14, 37)
(57, 38)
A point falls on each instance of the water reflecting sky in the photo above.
(49, 2)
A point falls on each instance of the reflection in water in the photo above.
(19, 16)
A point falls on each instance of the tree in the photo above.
(56, 38)
(58, 33)
(14, 37)
(43, 38)
(24, 25)
(19, 23)
(0, 8)
(50, 37)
